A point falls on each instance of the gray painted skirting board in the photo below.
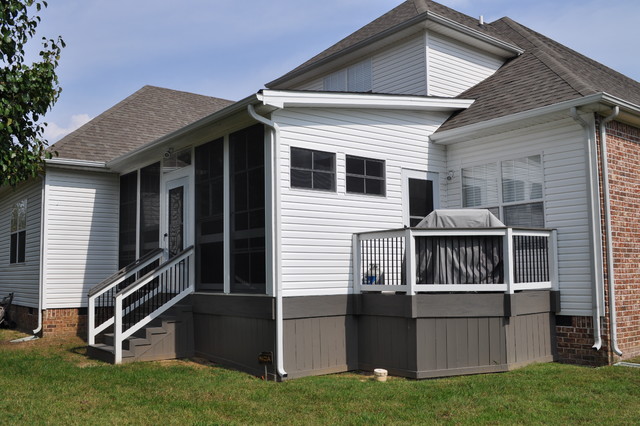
(422, 336)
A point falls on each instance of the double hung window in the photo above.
(18, 232)
(511, 189)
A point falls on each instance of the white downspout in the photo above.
(595, 227)
(276, 238)
(607, 211)
(43, 218)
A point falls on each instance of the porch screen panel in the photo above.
(248, 274)
(209, 169)
(149, 208)
(128, 211)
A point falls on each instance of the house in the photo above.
(282, 225)
(60, 231)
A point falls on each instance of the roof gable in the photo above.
(406, 14)
(146, 115)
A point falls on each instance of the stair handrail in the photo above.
(127, 271)
(111, 282)
(119, 335)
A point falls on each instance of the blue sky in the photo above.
(231, 48)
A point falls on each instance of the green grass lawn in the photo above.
(51, 381)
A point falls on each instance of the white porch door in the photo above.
(177, 222)
(420, 195)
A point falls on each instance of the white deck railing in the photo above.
(413, 260)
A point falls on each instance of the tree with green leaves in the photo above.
(27, 91)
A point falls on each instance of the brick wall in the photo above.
(575, 338)
(623, 146)
(64, 322)
(55, 322)
(26, 319)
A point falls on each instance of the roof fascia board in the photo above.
(74, 163)
(450, 136)
(304, 99)
(419, 22)
(218, 115)
(497, 43)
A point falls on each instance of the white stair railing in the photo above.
(100, 306)
(150, 296)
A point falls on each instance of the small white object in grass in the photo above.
(24, 339)
(380, 374)
(627, 364)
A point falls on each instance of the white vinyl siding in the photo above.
(23, 279)
(454, 67)
(401, 69)
(561, 145)
(317, 227)
(82, 234)
(313, 85)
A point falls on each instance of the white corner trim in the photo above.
(300, 99)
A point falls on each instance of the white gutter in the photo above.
(303, 99)
(609, 238)
(594, 219)
(454, 135)
(69, 162)
(276, 238)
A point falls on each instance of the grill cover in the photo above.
(459, 259)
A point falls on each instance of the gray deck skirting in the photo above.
(421, 336)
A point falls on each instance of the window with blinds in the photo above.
(511, 189)
(480, 186)
(356, 78)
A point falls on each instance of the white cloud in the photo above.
(53, 132)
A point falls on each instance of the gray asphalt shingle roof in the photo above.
(545, 74)
(146, 115)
